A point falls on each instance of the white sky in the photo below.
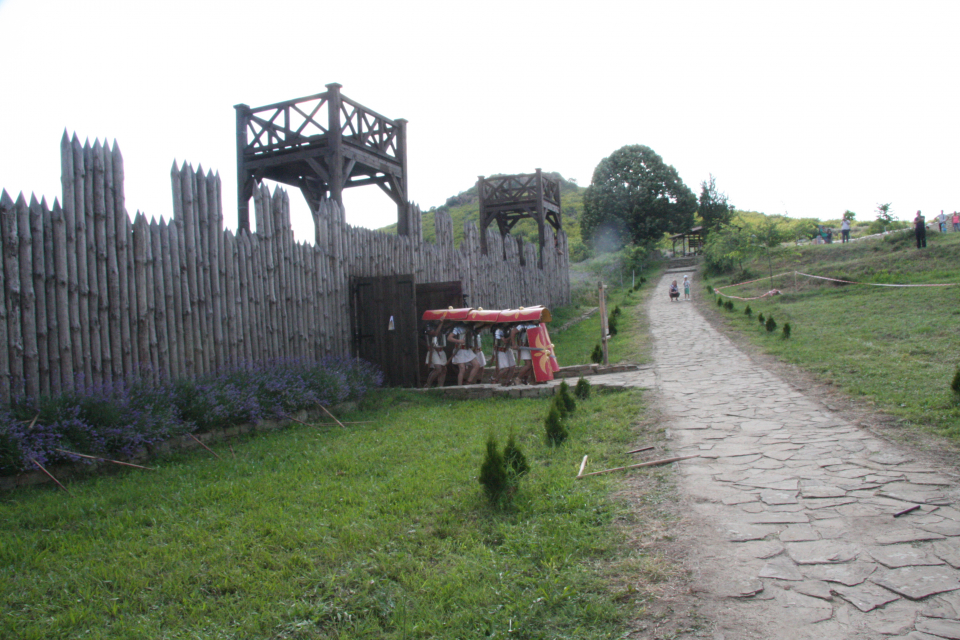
(805, 108)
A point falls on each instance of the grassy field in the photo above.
(897, 347)
(378, 531)
(632, 342)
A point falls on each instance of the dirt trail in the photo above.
(793, 506)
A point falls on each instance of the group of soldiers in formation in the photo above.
(513, 362)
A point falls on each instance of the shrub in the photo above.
(761, 319)
(771, 324)
(616, 311)
(493, 472)
(748, 312)
(556, 431)
(561, 406)
(709, 288)
(786, 330)
(612, 325)
(728, 305)
(719, 301)
(516, 462)
(955, 385)
(582, 390)
(567, 397)
(597, 356)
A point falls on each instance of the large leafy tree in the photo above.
(637, 197)
(714, 209)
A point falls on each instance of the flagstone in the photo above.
(902, 555)
(850, 574)
(822, 491)
(918, 582)
(866, 596)
(821, 552)
(940, 627)
(946, 528)
(782, 569)
(897, 536)
(799, 533)
(814, 588)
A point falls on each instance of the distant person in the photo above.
(845, 231)
(674, 292)
(920, 230)
(942, 219)
(829, 235)
(686, 288)
(956, 221)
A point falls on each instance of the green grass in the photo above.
(897, 347)
(632, 342)
(377, 531)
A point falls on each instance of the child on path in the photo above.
(674, 292)
(686, 288)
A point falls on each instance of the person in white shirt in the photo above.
(506, 363)
(436, 356)
(462, 351)
(845, 230)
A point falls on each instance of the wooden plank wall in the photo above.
(89, 295)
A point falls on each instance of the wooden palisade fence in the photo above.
(89, 296)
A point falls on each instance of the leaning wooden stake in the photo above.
(906, 511)
(49, 474)
(652, 463)
(330, 414)
(583, 465)
(126, 464)
(204, 446)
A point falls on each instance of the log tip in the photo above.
(5, 200)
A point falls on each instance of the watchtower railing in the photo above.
(518, 188)
(295, 125)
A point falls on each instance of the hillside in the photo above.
(465, 206)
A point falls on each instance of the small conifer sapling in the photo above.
(597, 356)
(748, 312)
(517, 465)
(786, 330)
(561, 405)
(556, 432)
(719, 301)
(567, 397)
(582, 390)
(771, 324)
(493, 472)
(955, 385)
(761, 319)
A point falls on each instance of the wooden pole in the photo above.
(203, 445)
(652, 463)
(125, 464)
(50, 290)
(330, 414)
(50, 475)
(11, 265)
(604, 328)
(28, 300)
(583, 465)
(38, 212)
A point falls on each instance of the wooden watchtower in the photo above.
(510, 199)
(320, 144)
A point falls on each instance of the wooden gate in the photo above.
(436, 295)
(384, 320)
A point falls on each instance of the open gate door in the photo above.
(437, 295)
(383, 313)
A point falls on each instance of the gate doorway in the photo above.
(385, 326)
(436, 295)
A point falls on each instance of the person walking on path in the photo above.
(920, 230)
(943, 222)
(845, 230)
(686, 288)
(956, 221)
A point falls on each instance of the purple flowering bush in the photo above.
(123, 419)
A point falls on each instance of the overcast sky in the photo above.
(804, 108)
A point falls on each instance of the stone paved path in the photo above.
(794, 507)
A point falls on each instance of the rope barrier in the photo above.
(773, 292)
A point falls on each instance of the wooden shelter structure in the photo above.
(510, 199)
(321, 144)
(690, 241)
